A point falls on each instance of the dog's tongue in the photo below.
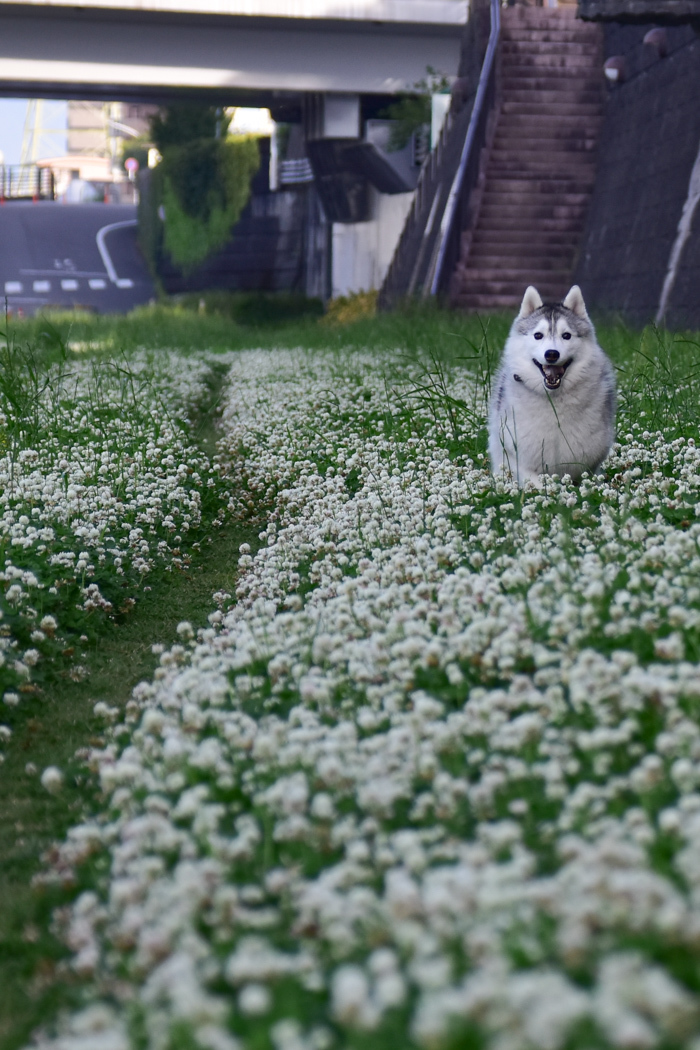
(553, 374)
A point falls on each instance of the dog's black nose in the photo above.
(551, 356)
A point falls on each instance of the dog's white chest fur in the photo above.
(553, 403)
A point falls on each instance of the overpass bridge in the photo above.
(329, 65)
(254, 52)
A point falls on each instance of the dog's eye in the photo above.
(539, 335)
(566, 335)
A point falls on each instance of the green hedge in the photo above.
(205, 186)
(192, 199)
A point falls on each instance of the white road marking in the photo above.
(97, 282)
(42, 286)
(125, 282)
(69, 285)
(56, 273)
(106, 257)
(13, 287)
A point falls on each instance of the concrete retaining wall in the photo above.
(648, 149)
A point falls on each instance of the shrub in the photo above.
(349, 308)
(202, 183)
(206, 185)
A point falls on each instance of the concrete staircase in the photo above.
(531, 203)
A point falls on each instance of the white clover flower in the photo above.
(254, 1000)
(52, 780)
(351, 1001)
(411, 673)
(670, 648)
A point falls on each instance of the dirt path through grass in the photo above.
(63, 722)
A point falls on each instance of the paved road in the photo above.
(65, 255)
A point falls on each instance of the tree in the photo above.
(413, 111)
(203, 180)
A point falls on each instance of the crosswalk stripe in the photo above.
(68, 284)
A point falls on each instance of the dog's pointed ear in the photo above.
(532, 300)
(574, 302)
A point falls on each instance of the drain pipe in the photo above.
(682, 234)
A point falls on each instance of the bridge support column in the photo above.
(331, 116)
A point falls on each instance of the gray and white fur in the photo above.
(553, 404)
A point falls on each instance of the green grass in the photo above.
(260, 321)
(33, 819)
(117, 656)
(656, 367)
(657, 373)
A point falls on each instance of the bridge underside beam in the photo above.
(95, 54)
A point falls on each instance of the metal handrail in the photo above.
(448, 217)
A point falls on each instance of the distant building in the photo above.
(97, 129)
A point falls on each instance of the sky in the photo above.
(13, 112)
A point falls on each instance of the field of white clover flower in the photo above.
(100, 480)
(434, 779)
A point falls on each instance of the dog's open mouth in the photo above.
(552, 374)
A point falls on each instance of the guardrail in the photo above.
(26, 182)
(429, 243)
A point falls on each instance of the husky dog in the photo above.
(553, 407)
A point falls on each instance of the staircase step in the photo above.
(537, 19)
(549, 80)
(552, 289)
(541, 123)
(557, 110)
(549, 224)
(487, 303)
(529, 214)
(539, 186)
(553, 22)
(521, 263)
(481, 303)
(582, 147)
(560, 162)
(570, 35)
(528, 272)
(563, 163)
(531, 60)
(503, 173)
(523, 199)
(588, 50)
(527, 148)
(534, 79)
(524, 129)
(491, 304)
(559, 95)
(576, 65)
(494, 239)
(555, 162)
